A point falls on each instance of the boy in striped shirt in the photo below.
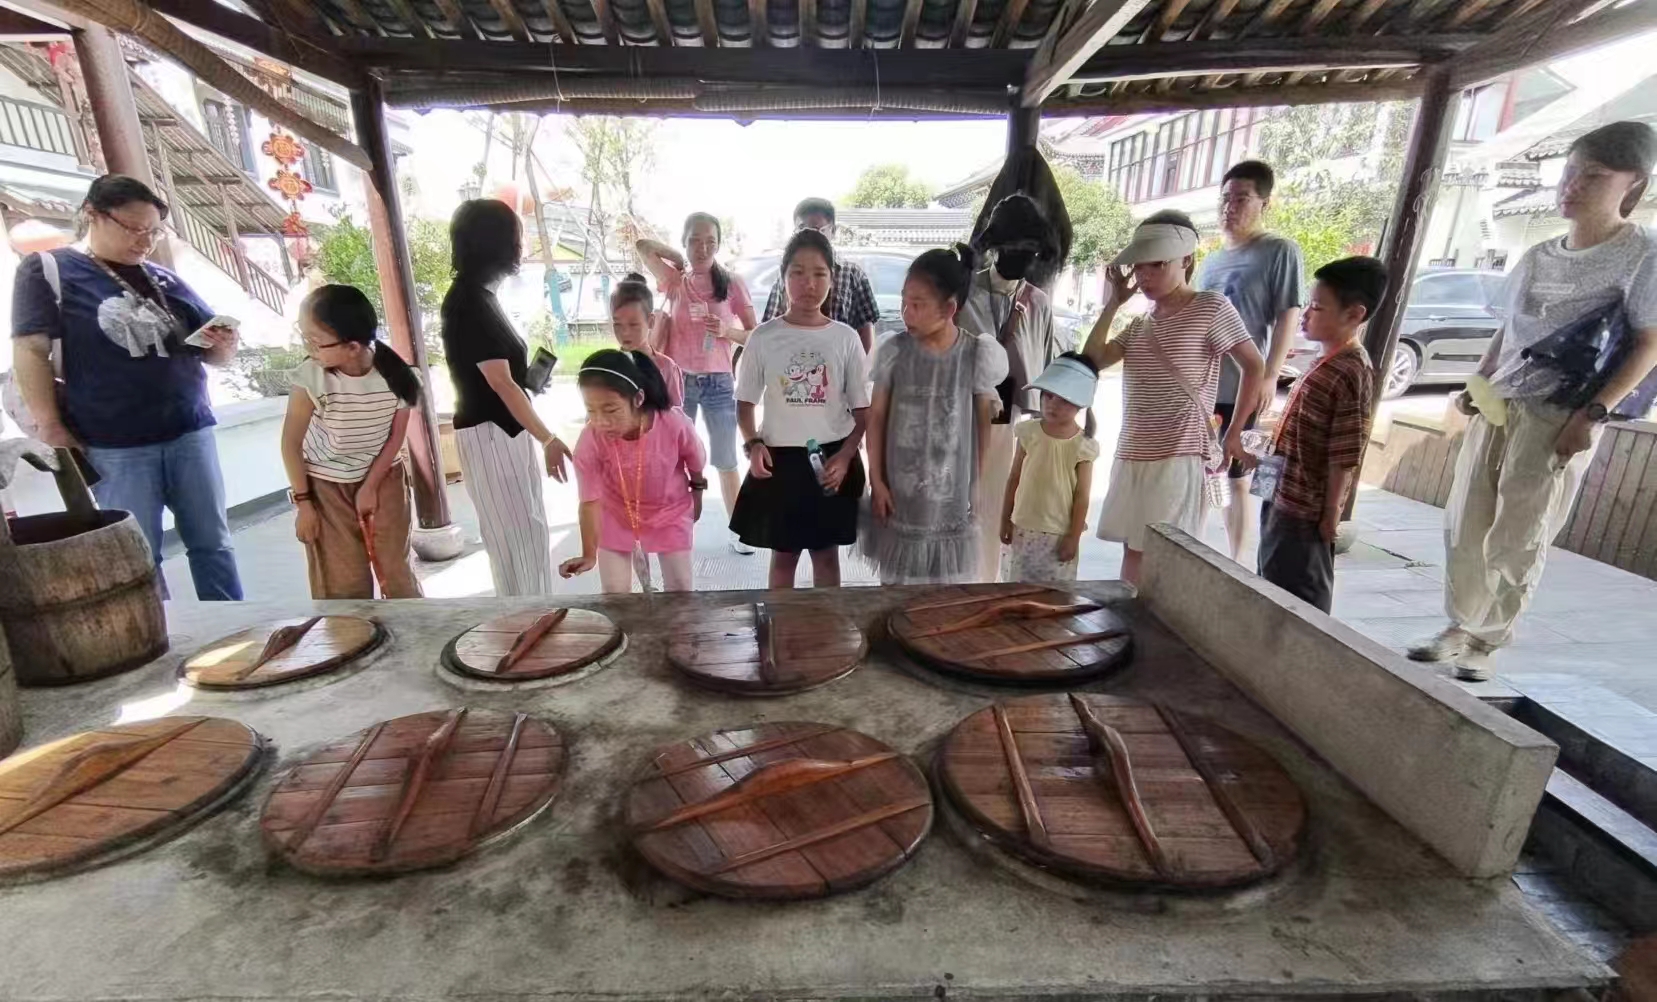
(1321, 437)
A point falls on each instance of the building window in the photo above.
(227, 130)
(318, 168)
(1479, 116)
(1534, 90)
(1185, 154)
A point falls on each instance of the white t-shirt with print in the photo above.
(1552, 287)
(807, 379)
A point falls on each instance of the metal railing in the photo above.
(35, 127)
(229, 259)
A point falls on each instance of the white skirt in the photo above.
(1143, 494)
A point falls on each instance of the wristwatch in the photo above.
(748, 446)
(1596, 412)
(296, 498)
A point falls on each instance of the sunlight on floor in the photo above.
(155, 706)
(468, 576)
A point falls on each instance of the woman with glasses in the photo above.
(103, 365)
(709, 312)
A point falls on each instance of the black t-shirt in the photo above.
(476, 330)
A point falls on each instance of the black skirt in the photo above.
(788, 510)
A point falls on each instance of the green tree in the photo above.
(345, 255)
(1099, 220)
(888, 186)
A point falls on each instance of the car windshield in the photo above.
(886, 272)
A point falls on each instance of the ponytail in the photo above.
(717, 275)
(628, 373)
(344, 310)
(949, 272)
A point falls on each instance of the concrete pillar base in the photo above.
(435, 546)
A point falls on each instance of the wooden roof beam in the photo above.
(313, 55)
(759, 24)
(658, 17)
(1137, 102)
(709, 26)
(1545, 42)
(417, 24)
(514, 23)
(1011, 14)
(606, 21)
(1216, 14)
(1165, 18)
(561, 22)
(911, 18)
(1097, 26)
(1468, 10)
(1269, 13)
(1317, 15)
(807, 26)
(964, 14)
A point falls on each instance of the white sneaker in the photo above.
(1448, 644)
(1474, 664)
(739, 546)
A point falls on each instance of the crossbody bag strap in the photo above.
(1191, 393)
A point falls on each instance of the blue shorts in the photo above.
(711, 392)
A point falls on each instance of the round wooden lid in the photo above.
(538, 643)
(1044, 778)
(763, 649)
(414, 792)
(283, 651)
(787, 810)
(1013, 633)
(75, 800)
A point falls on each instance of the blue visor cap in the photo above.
(1068, 379)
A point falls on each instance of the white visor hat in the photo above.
(1157, 242)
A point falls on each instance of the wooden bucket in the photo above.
(82, 599)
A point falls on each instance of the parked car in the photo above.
(886, 270)
(1446, 327)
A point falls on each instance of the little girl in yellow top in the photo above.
(1045, 507)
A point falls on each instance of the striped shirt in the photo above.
(1160, 421)
(851, 298)
(1324, 427)
(350, 424)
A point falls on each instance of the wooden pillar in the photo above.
(1023, 125)
(1423, 163)
(233, 235)
(402, 310)
(115, 111)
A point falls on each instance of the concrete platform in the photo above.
(565, 910)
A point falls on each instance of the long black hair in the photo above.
(633, 289)
(485, 240)
(948, 271)
(807, 240)
(344, 310)
(113, 191)
(717, 274)
(627, 373)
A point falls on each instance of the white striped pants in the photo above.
(503, 479)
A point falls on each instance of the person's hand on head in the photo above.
(1119, 285)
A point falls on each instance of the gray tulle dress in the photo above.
(930, 457)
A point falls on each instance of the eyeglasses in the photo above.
(141, 232)
(1237, 200)
(827, 229)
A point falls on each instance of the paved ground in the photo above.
(1589, 619)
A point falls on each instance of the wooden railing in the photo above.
(1615, 517)
(229, 259)
(35, 127)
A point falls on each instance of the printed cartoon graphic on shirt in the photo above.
(133, 324)
(805, 380)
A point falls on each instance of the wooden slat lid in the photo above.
(786, 810)
(1106, 788)
(73, 801)
(281, 651)
(535, 644)
(1013, 633)
(414, 792)
(763, 649)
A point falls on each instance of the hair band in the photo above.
(623, 375)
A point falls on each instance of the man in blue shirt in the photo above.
(1260, 273)
(133, 393)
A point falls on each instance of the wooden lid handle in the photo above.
(1013, 608)
(94, 764)
(527, 640)
(766, 781)
(281, 639)
(1107, 744)
(765, 637)
(421, 765)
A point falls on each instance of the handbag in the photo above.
(1586, 353)
(1009, 387)
(11, 395)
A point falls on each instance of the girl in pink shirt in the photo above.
(632, 315)
(639, 466)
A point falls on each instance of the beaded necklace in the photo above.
(632, 505)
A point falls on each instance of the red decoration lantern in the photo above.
(287, 151)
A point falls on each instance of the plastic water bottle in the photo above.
(1215, 476)
(814, 454)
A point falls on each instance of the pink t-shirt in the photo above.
(612, 471)
(673, 376)
(686, 334)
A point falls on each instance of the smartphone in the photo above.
(540, 371)
(199, 338)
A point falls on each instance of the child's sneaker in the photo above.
(1474, 664)
(1447, 645)
(739, 546)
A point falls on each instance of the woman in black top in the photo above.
(488, 363)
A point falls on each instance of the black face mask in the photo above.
(1013, 265)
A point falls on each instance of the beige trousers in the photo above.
(1510, 498)
(987, 498)
(338, 561)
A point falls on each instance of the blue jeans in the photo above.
(713, 392)
(181, 475)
